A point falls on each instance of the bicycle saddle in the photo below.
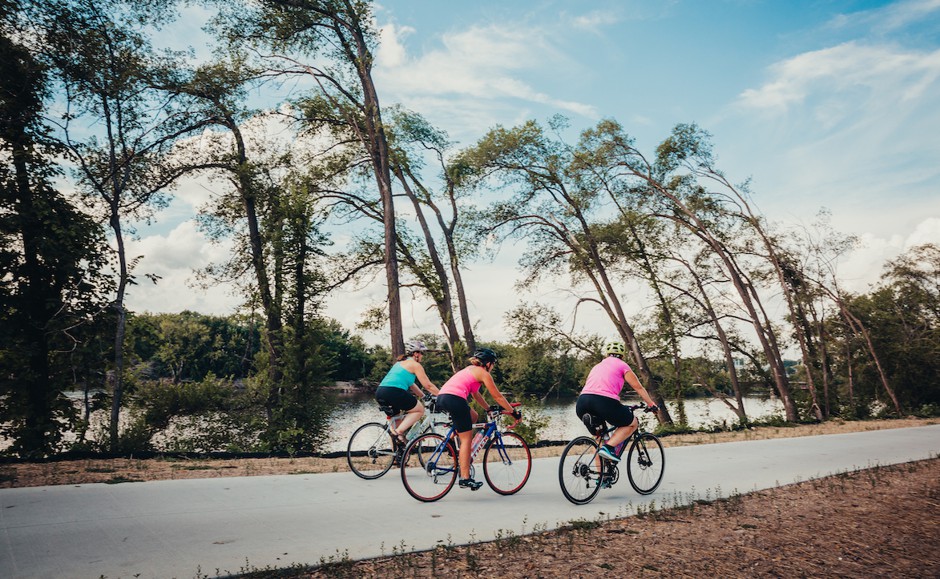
(387, 408)
(594, 423)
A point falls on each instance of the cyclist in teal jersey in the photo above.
(396, 388)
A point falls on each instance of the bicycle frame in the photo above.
(582, 471)
(506, 462)
(490, 429)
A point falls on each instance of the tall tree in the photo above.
(674, 180)
(332, 42)
(50, 261)
(558, 212)
(414, 136)
(120, 124)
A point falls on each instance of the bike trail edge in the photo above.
(224, 526)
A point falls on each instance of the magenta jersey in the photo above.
(606, 378)
(461, 384)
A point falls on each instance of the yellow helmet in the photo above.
(614, 348)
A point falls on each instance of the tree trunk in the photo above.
(120, 329)
(445, 301)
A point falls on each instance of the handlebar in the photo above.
(495, 410)
(641, 406)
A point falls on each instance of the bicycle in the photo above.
(582, 473)
(372, 450)
(429, 466)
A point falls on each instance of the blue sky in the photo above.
(830, 104)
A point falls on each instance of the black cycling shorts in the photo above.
(610, 409)
(400, 400)
(459, 411)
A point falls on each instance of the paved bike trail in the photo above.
(216, 527)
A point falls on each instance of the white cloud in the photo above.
(890, 73)
(890, 18)
(863, 267)
(174, 257)
(480, 68)
(392, 53)
(852, 127)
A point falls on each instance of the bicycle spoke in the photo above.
(370, 452)
(507, 463)
(579, 471)
(429, 467)
(646, 463)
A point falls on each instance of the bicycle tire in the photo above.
(371, 451)
(646, 463)
(579, 471)
(429, 467)
(507, 464)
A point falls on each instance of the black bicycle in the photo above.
(582, 473)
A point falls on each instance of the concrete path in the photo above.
(222, 526)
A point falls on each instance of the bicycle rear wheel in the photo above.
(370, 452)
(579, 470)
(646, 463)
(506, 465)
(429, 467)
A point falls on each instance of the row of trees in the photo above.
(97, 126)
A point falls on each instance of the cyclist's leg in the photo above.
(462, 415)
(613, 412)
(411, 417)
(402, 401)
(622, 433)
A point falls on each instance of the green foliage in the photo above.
(189, 346)
(533, 420)
(51, 258)
(902, 316)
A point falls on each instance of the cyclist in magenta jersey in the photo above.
(454, 398)
(394, 388)
(601, 396)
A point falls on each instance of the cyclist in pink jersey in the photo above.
(601, 396)
(454, 398)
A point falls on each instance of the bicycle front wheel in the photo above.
(370, 452)
(429, 467)
(507, 463)
(646, 463)
(579, 470)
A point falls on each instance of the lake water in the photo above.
(563, 423)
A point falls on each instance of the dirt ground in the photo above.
(881, 522)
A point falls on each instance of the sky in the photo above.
(829, 104)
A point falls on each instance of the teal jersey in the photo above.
(398, 377)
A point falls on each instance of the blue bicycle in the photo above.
(429, 466)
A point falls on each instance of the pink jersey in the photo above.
(461, 384)
(606, 378)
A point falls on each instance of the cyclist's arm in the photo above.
(416, 391)
(494, 392)
(422, 377)
(634, 383)
(480, 400)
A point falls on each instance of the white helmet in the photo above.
(415, 346)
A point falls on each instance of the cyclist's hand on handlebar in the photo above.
(652, 408)
(517, 414)
(428, 397)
